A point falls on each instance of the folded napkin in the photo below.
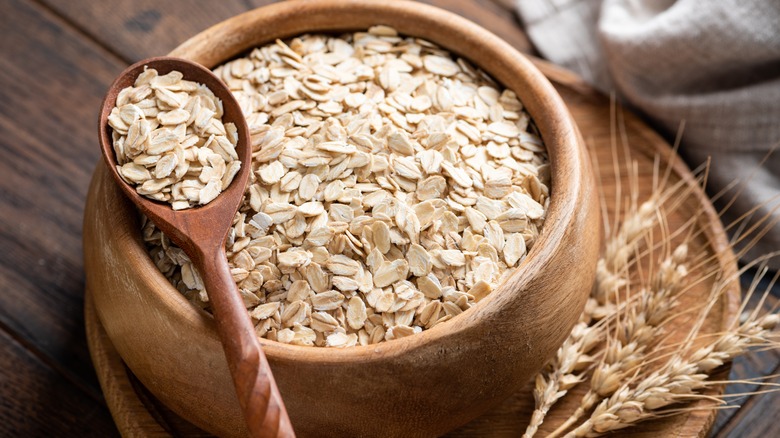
(714, 64)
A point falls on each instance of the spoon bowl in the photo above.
(201, 233)
(209, 222)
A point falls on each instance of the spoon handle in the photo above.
(258, 395)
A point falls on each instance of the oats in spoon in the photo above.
(170, 141)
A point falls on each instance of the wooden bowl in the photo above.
(422, 385)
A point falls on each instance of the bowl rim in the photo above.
(557, 128)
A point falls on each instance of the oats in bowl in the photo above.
(420, 385)
(393, 187)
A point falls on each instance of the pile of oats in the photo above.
(170, 141)
(393, 188)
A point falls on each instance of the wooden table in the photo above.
(57, 58)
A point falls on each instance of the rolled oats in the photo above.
(170, 141)
(393, 187)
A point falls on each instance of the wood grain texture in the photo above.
(491, 16)
(145, 28)
(749, 416)
(51, 81)
(28, 389)
(116, 382)
(141, 29)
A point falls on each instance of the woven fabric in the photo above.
(712, 64)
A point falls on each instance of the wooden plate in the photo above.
(138, 414)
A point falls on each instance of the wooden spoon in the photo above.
(201, 233)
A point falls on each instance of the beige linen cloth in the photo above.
(714, 64)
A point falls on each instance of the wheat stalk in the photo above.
(567, 367)
(563, 372)
(634, 392)
(621, 367)
(678, 381)
(570, 361)
(626, 346)
(569, 364)
(653, 394)
(620, 248)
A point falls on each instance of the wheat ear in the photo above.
(626, 347)
(572, 357)
(681, 378)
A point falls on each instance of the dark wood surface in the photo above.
(57, 59)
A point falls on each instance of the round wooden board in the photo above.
(138, 414)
